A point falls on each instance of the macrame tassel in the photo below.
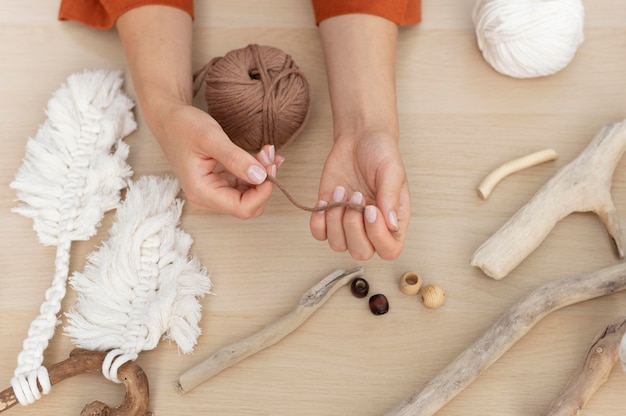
(141, 285)
(73, 172)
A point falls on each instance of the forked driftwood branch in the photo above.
(584, 185)
(231, 354)
(81, 361)
(505, 332)
(600, 359)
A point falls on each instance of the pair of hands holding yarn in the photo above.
(364, 164)
(218, 175)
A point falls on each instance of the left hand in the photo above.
(366, 170)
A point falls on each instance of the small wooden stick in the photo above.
(81, 361)
(231, 354)
(291, 199)
(600, 359)
(505, 332)
(533, 159)
(584, 185)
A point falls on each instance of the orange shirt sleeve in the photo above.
(102, 14)
(403, 12)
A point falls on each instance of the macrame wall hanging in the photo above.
(141, 285)
(73, 172)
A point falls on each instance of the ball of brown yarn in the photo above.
(258, 95)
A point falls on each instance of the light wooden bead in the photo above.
(410, 283)
(433, 296)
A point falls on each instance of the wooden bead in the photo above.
(359, 287)
(379, 305)
(433, 296)
(410, 283)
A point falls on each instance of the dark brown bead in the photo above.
(379, 304)
(359, 287)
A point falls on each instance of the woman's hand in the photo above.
(364, 165)
(367, 170)
(213, 172)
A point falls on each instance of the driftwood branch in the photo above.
(81, 361)
(600, 359)
(505, 332)
(584, 185)
(231, 354)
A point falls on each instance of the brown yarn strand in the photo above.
(345, 204)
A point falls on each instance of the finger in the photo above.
(243, 204)
(255, 198)
(392, 182)
(334, 222)
(241, 201)
(317, 222)
(388, 244)
(267, 155)
(239, 162)
(359, 246)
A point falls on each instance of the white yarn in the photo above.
(529, 38)
(141, 285)
(73, 171)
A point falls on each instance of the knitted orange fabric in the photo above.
(403, 12)
(103, 14)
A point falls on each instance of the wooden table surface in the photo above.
(459, 120)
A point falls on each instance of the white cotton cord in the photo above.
(529, 38)
(141, 285)
(29, 360)
(25, 387)
(73, 172)
(113, 361)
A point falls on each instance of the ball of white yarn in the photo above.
(529, 38)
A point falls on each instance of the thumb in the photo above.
(239, 162)
(390, 183)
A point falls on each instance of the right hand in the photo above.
(214, 173)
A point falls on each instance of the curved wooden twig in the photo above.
(505, 332)
(492, 179)
(231, 354)
(600, 359)
(81, 361)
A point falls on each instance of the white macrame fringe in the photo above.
(75, 166)
(141, 285)
(73, 172)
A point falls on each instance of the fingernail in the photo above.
(357, 198)
(339, 194)
(272, 153)
(256, 174)
(281, 160)
(273, 170)
(393, 219)
(370, 213)
(266, 159)
(321, 204)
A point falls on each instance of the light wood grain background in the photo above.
(459, 120)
